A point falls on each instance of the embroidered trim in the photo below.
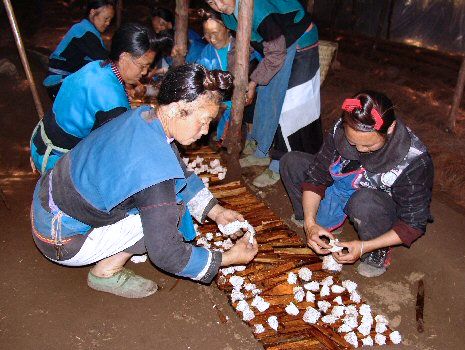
(115, 70)
(198, 204)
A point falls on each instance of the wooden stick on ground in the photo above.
(420, 306)
(457, 98)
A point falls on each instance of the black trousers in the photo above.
(372, 212)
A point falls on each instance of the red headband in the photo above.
(352, 103)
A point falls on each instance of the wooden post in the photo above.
(119, 13)
(233, 136)
(22, 54)
(310, 5)
(353, 16)
(334, 12)
(392, 3)
(457, 98)
(180, 35)
(381, 20)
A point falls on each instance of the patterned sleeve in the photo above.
(198, 198)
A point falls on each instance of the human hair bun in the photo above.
(218, 80)
(203, 14)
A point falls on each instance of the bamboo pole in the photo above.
(457, 98)
(180, 35)
(119, 13)
(22, 54)
(233, 137)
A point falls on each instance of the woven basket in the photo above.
(327, 50)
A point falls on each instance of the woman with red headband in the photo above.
(373, 170)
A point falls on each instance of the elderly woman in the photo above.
(163, 19)
(82, 44)
(371, 168)
(217, 55)
(124, 190)
(93, 95)
(287, 112)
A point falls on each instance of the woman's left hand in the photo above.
(223, 216)
(353, 254)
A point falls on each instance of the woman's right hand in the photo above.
(241, 253)
(314, 241)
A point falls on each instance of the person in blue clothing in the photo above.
(217, 55)
(287, 80)
(163, 19)
(82, 44)
(93, 95)
(125, 190)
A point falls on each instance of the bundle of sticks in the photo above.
(283, 268)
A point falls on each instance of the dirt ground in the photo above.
(43, 305)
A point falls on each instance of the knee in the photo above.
(367, 203)
(294, 163)
(286, 162)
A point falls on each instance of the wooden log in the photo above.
(420, 306)
(263, 275)
(297, 345)
(280, 338)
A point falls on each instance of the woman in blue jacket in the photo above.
(287, 111)
(82, 44)
(124, 190)
(163, 19)
(93, 95)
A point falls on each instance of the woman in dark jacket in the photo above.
(82, 44)
(372, 169)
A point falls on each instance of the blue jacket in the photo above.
(108, 172)
(82, 44)
(87, 99)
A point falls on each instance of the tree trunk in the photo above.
(180, 35)
(392, 3)
(334, 13)
(457, 98)
(381, 20)
(310, 5)
(233, 136)
(119, 13)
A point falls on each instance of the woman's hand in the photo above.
(241, 253)
(223, 216)
(314, 241)
(344, 257)
(250, 94)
